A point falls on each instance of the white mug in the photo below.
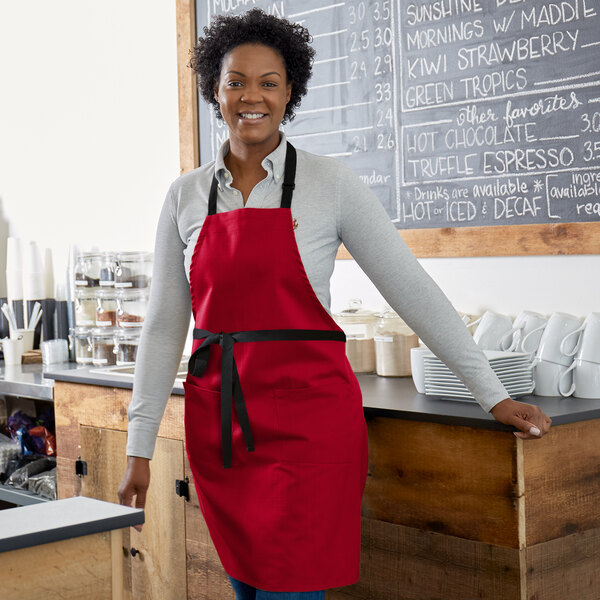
(588, 346)
(548, 375)
(559, 339)
(491, 328)
(417, 366)
(586, 380)
(527, 326)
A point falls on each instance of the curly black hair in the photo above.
(290, 40)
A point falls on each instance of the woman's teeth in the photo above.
(251, 115)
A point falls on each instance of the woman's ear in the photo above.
(288, 92)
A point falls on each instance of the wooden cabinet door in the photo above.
(158, 569)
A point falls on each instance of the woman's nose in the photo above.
(251, 94)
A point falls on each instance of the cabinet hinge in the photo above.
(182, 488)
(80, 467)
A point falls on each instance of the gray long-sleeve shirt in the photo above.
(331, 205)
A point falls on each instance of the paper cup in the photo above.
(13, 351)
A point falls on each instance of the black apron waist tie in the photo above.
(230, 379)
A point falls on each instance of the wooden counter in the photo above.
(455, 507)
(64, 550)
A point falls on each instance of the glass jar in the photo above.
(126, 343)
(85, 308)
(87, 270)
(393, 341)
(108, 264)
(103, 346)
(131, 307)
(358, 324)
(106, 308)
(133, 270)
(81, 339)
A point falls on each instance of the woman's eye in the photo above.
(233, 83)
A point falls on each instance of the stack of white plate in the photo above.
(514, 369)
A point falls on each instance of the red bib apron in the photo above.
(280, 478)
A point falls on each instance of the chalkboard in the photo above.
(475, 122)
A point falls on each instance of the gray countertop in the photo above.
(26, 381)
(36, 524)
(389, 397)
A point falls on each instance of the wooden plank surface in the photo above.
(104, 452)
(403, 563)
(74, 569)
(567, 568)
(562, 482)
(78, 403)
(158, 572)
(513, 240)
(116, 555)
(446, 479)
(189, 149)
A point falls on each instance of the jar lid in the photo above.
(88, 255)
(131, 293)
(86, 294)
(104, 332)
(389, 313)
(355, 311)
(130, 334)
(137, 255)
(81, 331)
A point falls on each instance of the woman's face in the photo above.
(253, 92)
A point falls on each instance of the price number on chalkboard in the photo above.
(591, 122)
(380, 11)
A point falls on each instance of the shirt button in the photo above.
(277, 176)
(226, 175)
(235, 192)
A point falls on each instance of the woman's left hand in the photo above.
(529, 419)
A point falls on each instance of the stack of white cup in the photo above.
(585, 369)
(526, 333)
(555, 354)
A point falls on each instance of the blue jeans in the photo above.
(243, 591)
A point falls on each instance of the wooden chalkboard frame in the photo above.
(506, 240)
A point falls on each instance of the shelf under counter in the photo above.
(14, 495)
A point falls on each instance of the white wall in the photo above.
(88, 121)
(89, 146)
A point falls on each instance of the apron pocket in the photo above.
(202, 423)
(321, 424)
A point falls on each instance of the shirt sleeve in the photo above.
(370, 236)
(163, 335)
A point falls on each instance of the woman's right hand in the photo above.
(135, 482)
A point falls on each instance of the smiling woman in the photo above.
(248, 242)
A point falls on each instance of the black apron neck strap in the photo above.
(289, 178)
(212, 198)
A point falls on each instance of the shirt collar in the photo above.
(273, 163)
